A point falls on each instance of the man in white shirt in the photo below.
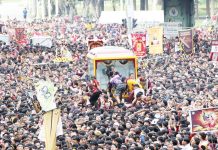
(186, 144)
(137, 89)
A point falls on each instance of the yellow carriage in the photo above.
(103, 59)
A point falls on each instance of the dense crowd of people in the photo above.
(156, 119)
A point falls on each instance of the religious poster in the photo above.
(186, 39)
(204, 120)
(214, 51)
(63, 56)
(155, 40)
(94, 44)
(20, 36)
(139, 44)
(46, 95)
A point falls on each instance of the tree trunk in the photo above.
(134, 4)
(154, 4)
(72, 11)
(43, 8)
(114, 5)
(146, 4)
(208, 7)
(61, 7)
(121, 5)
(94, 5)
(99, 7)
(38, 9)
(86, 4)
(212, 7)
(142, 4)
(34, 8)
(49, 8)
(101, 3)
(196, 9)
(56, 7)
(161, 3)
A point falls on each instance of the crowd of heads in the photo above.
(179, 83)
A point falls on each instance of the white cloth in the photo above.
(59, 130)
(187, 147)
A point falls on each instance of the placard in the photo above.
(214, 50)
(204, 120)
(186, 39)
(171, 29)
(155, 40)
(139, 44)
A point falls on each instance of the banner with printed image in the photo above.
(20, 36)
(171, 29)
(155, 35)
(186, 39)
(65, 56)
(46, 95)
(204, 120)
(139, 44)
(214, 51)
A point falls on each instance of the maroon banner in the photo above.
(20, 36)
(139, 44)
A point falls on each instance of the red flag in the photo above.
(139, 44)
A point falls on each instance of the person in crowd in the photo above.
(95, 90)
(25, 13)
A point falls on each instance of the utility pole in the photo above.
(129, 11)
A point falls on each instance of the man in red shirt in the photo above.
(95, 89)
